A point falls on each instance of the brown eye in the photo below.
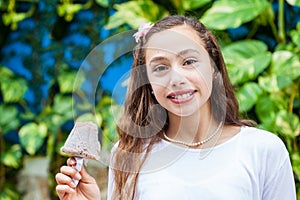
(189, 62)
(160, 68)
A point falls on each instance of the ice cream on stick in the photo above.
(83, 141)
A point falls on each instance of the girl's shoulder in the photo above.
(262, 141)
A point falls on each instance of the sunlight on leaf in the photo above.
(135, 13)
(285, 63)
(248, 96)
(231, 13)
(294, 2)
(245, 60)
(267, 108)
(12, 157)
(8, 118)
(274, 83)
(32, 136)
(288, 123)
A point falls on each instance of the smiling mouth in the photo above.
(181, 96)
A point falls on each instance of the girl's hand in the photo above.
(87, 187)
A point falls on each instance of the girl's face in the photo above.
(179, 70)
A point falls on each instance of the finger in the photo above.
(63, 190)
(71, 161)
(73, 173)
(63, 179)
(86, 177)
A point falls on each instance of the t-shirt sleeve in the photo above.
(279, 183)
(111, 179)
(110, 186)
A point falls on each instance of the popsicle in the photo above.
(83, 141)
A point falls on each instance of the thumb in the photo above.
(85, 176)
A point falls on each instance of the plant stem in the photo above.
(2, 167)
(281, 34)
(293, 96)
(291, 102)
(270, 18)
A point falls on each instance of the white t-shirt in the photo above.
(252, 165)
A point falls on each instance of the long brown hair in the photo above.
(143, 119)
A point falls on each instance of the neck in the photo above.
(193, 128)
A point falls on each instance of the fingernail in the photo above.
(72, 184)
(77, 176)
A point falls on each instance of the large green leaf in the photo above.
(8, 118)
(245, 60)
(12, 157)
(295, 157)
(267, 107)
(226, 14)
(96, 118)
(285, 63)
(9, 192)
(288, 123)
(248, 96)
(187, 5)
(135, 13)
(110, 113)
(63, 105)
(5, 73)
(294, 2)
(32, 136)
(13, 89)
(193, 4)
(103, 3)
(274, 83)
(66, 81)
(295, 36)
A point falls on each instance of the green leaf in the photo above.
(294, 2)
(103, 3)
(32, 136)
(285, 63)
(274, 83)
(8, 118)
(267, 108)
(193, 4)
(12, 157)
(295, 35)
(115, 20)
(245, 60)
(5, 73)
(187, 5)
(96, 118)
(288, 123)
(248, 96)
(9, 192)
(135, 13)
(295, 157)
(13, 90)
(226, 14)
(63, 105)
(66, 81)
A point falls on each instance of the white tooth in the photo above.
(183, 96)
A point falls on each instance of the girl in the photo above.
(180, 136)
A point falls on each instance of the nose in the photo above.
(177, 79)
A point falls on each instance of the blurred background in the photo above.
(45, 43)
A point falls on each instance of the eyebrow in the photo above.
(187, 51)
(157, 59)
(180, 54)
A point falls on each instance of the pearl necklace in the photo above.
(194, 144)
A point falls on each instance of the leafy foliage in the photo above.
(260, 43)
(266, 77)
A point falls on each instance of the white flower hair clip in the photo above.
(143, 30)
